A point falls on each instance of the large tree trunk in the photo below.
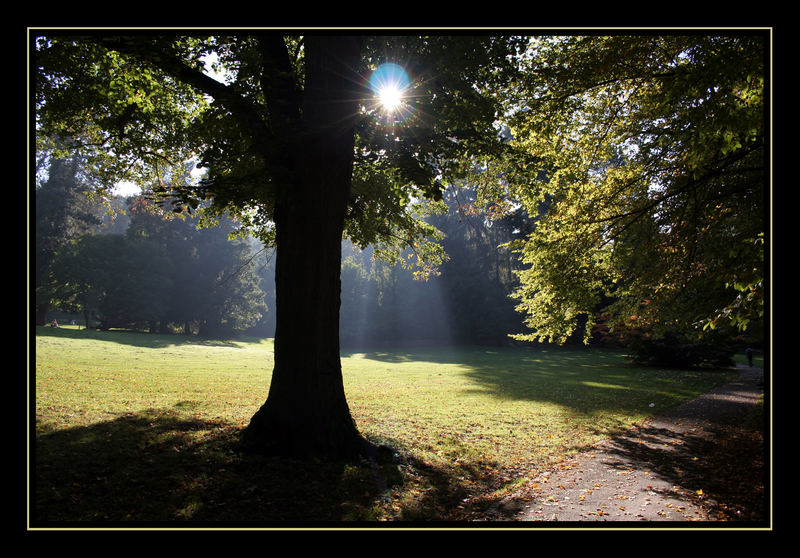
(41, 314)
(306, 412)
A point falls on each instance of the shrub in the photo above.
(677, 350)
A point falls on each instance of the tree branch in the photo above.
(145, 49)
(278, 81)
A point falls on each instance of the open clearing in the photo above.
(139, 427)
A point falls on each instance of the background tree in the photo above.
(178, 237)
(479, 275)
(465, 301)
(63, 212)
(122, 280)
(136, 282)
(74, 272)
(294, 143)
(233, 299)
(357, 301)
(162, 273)
(649, 152)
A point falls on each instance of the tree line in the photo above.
(126, 263)
(464, 301)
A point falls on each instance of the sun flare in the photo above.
(390, 97)
(390, 84)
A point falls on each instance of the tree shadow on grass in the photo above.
(159, 467)
(133, 338)
(585, 381)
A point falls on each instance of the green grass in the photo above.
(136, 427)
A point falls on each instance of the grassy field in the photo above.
(143, 428)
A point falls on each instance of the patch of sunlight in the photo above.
(601, 385)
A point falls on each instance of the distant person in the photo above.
(54, 323)
(749, 353)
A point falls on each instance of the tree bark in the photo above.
(306, 412)
(41, 314)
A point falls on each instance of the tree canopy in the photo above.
(645, 159)
(139, 104)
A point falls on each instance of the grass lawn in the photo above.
(143, 428)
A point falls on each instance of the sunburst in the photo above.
(390, 97)
(390, 84)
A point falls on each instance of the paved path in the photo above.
(659, 471)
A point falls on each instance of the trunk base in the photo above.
(295, 437)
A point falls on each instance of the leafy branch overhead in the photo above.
(140, 103)
(651, 152)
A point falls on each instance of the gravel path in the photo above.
(703, 461)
